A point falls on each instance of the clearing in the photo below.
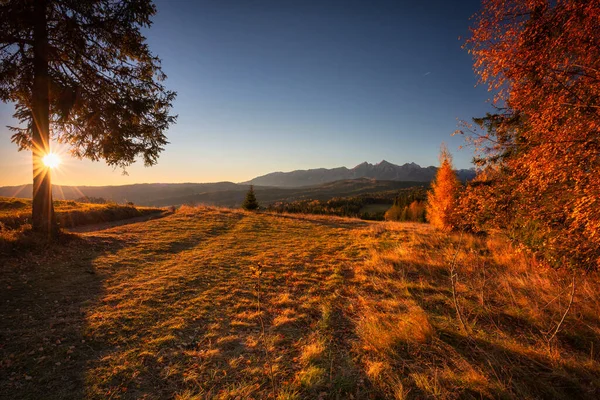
(218, 303)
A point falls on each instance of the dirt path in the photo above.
(111, 224)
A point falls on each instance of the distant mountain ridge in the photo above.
(321, 184)
(384, 171)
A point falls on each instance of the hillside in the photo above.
(270, 195)
(384, 171)
(138, 193)
(16, 212)
(225, 194)
(341, 308)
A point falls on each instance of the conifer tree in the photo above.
(80, 72)
(442, 199)
(250, 203)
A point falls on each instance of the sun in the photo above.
(51, 160)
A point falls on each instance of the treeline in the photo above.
(408, 206)
(405, 205)
(101, 200)
(339, 206)
(539, 154)
(92, 200)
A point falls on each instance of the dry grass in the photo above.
(407, 322)
(17, 237)
(168, 309)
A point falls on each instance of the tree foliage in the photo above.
(80, 72)
(442, 199)
(250, 203)
(542, 150)
(106, 96)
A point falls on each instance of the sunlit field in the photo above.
(226, 304)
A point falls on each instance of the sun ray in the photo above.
(18, 190)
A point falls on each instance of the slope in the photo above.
(214, 303)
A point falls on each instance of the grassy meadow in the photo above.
(216, 303)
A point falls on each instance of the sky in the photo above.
(268, 86)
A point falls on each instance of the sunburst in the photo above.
(51, 160)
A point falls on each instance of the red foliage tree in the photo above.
(542, 59)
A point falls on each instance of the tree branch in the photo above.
(453, 280)
(566, 311)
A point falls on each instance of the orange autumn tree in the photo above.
(442, 199)
(542, 58)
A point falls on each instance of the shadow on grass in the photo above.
(197, 238)
(93, 227)
(347, 378)
(524, 375)
(325, 220)
(503, 346)
(45, 291)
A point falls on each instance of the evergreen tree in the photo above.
(442, 199)
(250, 203)
(80, 72)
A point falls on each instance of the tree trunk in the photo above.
(43, 219)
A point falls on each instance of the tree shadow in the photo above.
(45, 293)
(503, 344)
(523, 375)
(348, 379)
(325, 220)
(112, 224)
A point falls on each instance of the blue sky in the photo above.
(269, 86)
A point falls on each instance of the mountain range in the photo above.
(316, 184)
(384, 171)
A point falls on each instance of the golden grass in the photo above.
(407, 318)
(168, 309)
